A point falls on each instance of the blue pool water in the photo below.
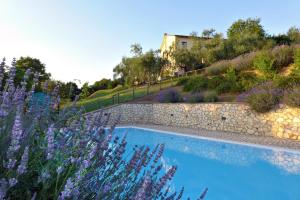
(229, 171)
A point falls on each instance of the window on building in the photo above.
(184, 44)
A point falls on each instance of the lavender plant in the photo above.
(50, 154)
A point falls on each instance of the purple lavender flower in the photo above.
(31, 92)
(168, 176)
(45, 85)
(2, 65)
(44, 176)
(59, 170)
(159, 153)
(12, 182)
(50, 142)
(16, 135)
(5, 104)
(3, 188)
(106, 188)
(67, 192)
(33, 196)
(86, 163)
(10, 80)
(22, 168)
(142, 192)
(11, 163)
(266, 87)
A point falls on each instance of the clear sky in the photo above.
(85, 39)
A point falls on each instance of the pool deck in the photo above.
(234, 137)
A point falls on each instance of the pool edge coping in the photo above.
(178, 133)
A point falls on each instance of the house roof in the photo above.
(184, 36)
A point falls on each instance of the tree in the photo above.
(209, 50)
(208, 33)
(152, 64)
(68, 90)
(35, 65)
(185, 59)
(194, 34)
(101, 85)
(246, 27)
(281, 39)
(136, 49)
(294, 34)
(84, 91)
(246, 35)
(130, 70)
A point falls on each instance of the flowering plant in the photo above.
(51, 154)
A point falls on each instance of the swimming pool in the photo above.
(229, 170)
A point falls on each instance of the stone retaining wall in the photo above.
(284, 122)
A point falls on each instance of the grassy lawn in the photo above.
(104, 98)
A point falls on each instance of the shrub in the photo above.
(169, 96)
(263, 101)
(292, 97)
(196, 98)
(217, 68)
(214, 82)
(182, 81)
(243, 62)
(297, 58)
(248, 80)
(210, 96)
(239, 63)
(264, 63)
(196, 84)
(266, 87)
(283, 81)
(46, 154)
(283, 56)
(224, 87)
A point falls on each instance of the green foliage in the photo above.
(294, 35)
(182, 81)
(136, 49)
(248, 80)
(227, 84)
(218, 68)
(283, 81)
(196, 84)
(152, 64)
(295, 73)
(169, 96)
(239, 63)
(262, 101)
(246, 35)
(283, 56)
(297, 58)
(185, 59)
(141, 67)
(208, 51)
(35, 65)
(84, 91)
(210, 96)
(196, 98)
(214, 82)
(292, 97)
(68, 90)
(224, 87)
(281, 39)
(208, 33)
(264, 62)
(104, 84)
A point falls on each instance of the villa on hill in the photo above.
(172, 42)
